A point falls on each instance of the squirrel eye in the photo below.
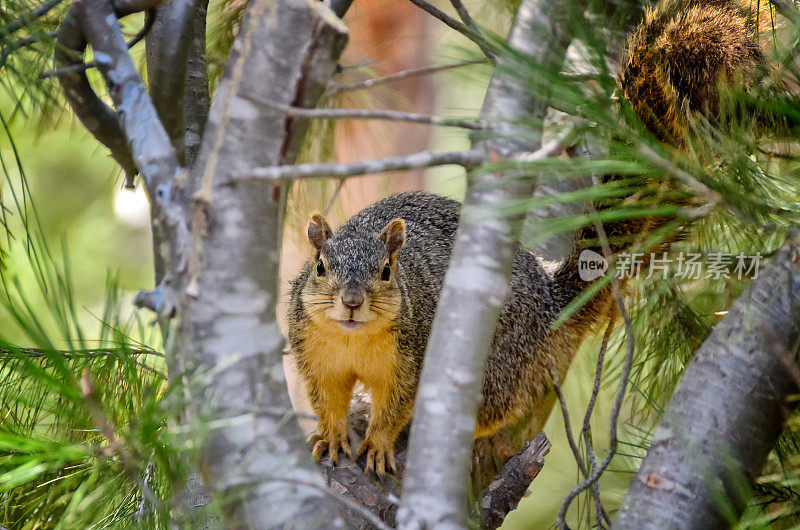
(320, 268)
(385, 273)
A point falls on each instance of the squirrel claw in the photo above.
(320, 444)
(379, 455)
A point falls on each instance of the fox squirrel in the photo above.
(361, 309)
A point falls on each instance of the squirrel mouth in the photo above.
(350, 324)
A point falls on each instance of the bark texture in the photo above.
(727, 412)
(254, 459)
(436, 486)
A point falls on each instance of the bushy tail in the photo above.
(674, 65)
(680, 55)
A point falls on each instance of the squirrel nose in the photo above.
(352, 300)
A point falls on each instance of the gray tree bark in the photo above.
(436, 484)
(220, 237)
(727, 412)
(254, 459)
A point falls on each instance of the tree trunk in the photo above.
(436, 485)
(727, 412)
(254, 459)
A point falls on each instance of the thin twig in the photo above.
(460, 27)
(598, 374)
(467, 159)
(149, 20)
(587, 427)
(349, 503)
(370, 114)
(466, 18)
(626, 371)
(576, 452)
(335, 195)
(568, 428)
(82, 67)
(403, 74)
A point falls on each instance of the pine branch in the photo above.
(22, 43)
(37, 353)
(22, 21)
(466, 159)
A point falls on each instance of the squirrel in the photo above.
(361, 308)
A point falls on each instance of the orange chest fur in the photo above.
(333, 355)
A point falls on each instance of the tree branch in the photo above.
(168, 47)
(286, 52)
(469, 32)
(435, 490)
(347, 478)
(727, 411)
(95, 115)
(403, 74)
(381, 496)
(502, 496)
(374, 114)
(467, 159)
(196, 98)
(149, 141)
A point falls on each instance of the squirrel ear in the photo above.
(318, 230)
(393, 236)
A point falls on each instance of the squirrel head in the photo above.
(352, 282)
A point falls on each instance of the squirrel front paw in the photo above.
(331, 442)
(380, 454)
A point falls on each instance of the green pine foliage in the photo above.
(734, 190)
